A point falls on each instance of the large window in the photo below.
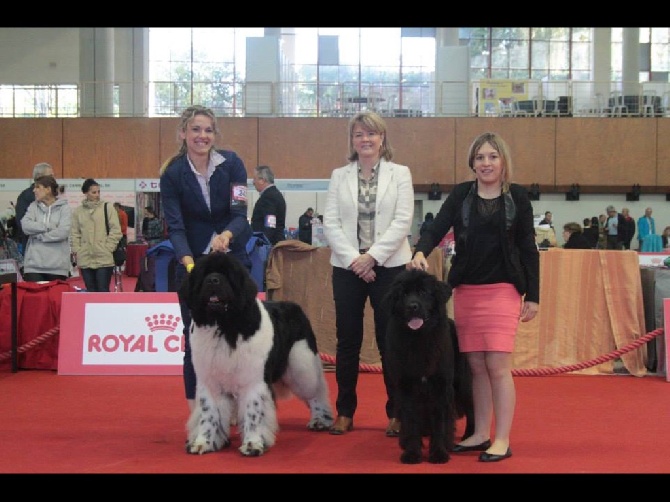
(336, 71)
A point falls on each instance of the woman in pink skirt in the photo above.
(495, 275)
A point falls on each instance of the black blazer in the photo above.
(269, 210)
(577, 240)
(522, 258)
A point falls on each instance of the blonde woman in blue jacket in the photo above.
(367, 221)
(47, 225)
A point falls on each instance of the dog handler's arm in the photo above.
(419, 261)
(222, 241)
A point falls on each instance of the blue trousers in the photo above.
(97, 279)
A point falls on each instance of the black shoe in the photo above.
(490, 457)
(459, 448)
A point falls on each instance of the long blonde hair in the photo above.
(500, 146)
(186, 117)
(370, 121)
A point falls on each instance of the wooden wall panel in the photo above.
(426, 145)
(554, 152)
(110, 147)
(25, 142)
(618, 151)
(238, 134)
(663, 152)
(531, 144)
(307, 148)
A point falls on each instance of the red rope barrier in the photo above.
(375, 368)
(38, 340)
(542, 371)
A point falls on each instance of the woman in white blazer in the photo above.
(367, 221)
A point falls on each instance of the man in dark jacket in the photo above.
(626, 228)
(269, 214)
(25, 198)
(305, 226)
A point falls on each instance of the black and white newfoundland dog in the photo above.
(432, 378)
(247, 353)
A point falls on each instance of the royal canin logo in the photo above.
(162, 322)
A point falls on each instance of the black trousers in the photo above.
(350, 294)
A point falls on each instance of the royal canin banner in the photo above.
(120, 334)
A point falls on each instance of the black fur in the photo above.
(432, 378)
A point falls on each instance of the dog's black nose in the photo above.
(413, 306)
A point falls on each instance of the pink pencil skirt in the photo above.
(486, 316)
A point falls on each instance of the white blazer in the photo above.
(393, 217)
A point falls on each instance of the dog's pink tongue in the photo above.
(415, 323)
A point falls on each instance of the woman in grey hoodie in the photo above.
(47, 224)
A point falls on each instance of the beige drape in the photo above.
(590, 305)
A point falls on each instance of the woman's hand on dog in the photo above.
(221, 242)
(418, 261)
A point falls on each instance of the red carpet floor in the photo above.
(136, 424)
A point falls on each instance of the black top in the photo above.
(577, 240)
(305, 228)
(591, 234)
(515, 243)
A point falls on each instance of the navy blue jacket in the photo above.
(190, 222)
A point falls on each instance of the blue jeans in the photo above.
(97, 279)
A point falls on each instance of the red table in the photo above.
(38, 324)
(134, 256)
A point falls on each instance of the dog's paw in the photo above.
(252, 448)
(410, 457)
(320, 423)
(438, 456)
(200, 446)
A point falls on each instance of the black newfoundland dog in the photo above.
(246, 354)
(432, 378)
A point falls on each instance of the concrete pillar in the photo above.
(601, 60)
(630, 62)
(96, 69)
(453, 96)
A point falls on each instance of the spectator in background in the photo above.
(47, 225)
(645, 226)
(547, 219)
(25, 198)
(591, 232)
(92, 246)
(664, 237)
(152, 227)
(626, 228)
(269, 214)
(123, 220)
(305, 226)
(9, 249)
(602, 228)
(612, 228)
(427, 221)
(574, 237)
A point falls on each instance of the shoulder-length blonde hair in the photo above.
(186, 117)
(370, 121)
(500, 146)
